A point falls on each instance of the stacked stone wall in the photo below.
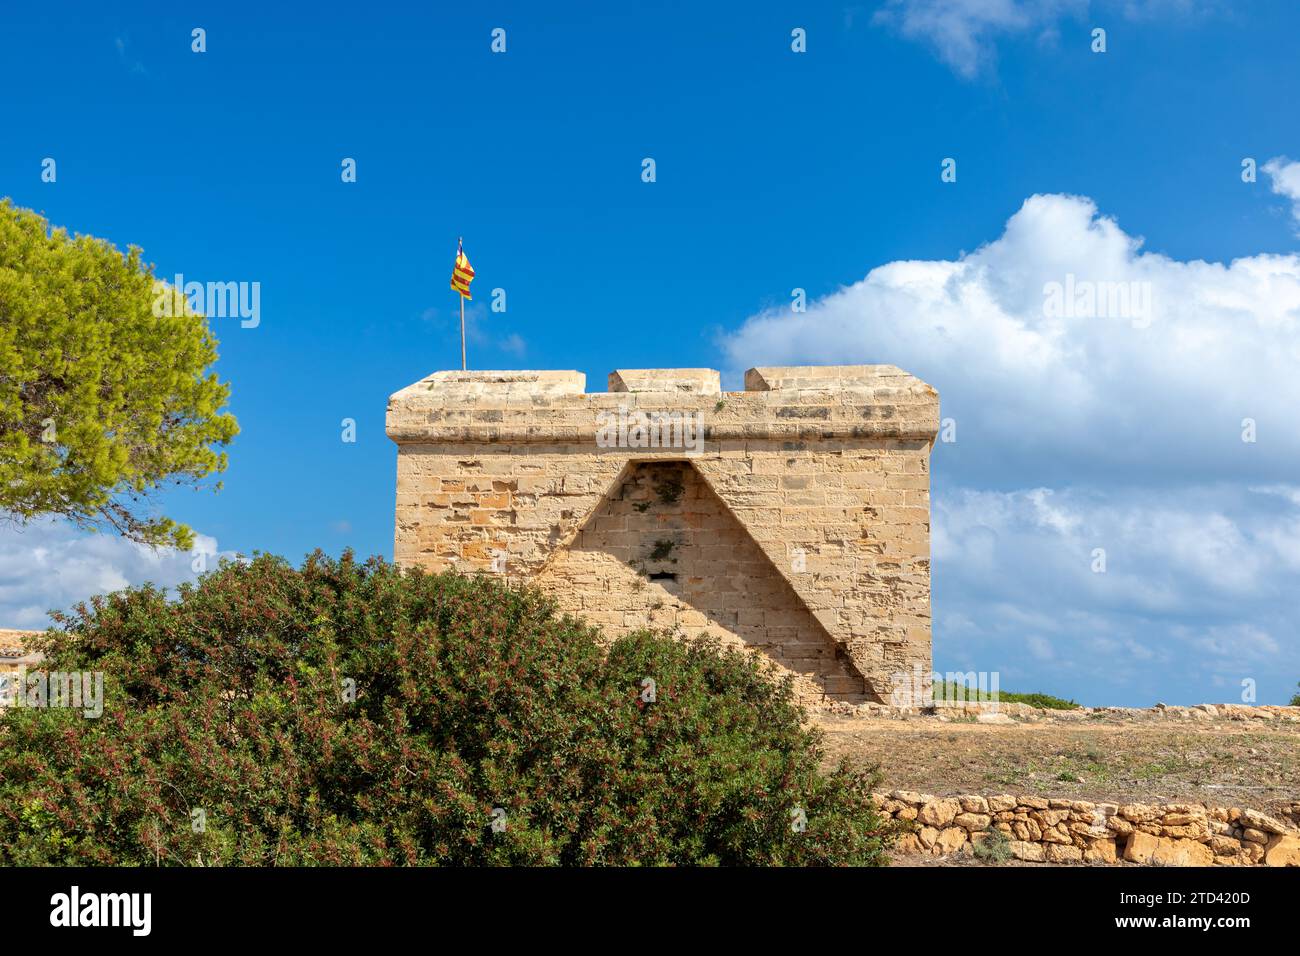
(1041, 830)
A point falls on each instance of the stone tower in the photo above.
(792, 518)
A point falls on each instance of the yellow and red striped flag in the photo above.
(462, 273)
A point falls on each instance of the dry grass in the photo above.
(1222, 763)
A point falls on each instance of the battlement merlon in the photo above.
(845, 403)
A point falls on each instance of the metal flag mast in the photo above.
(462, 274)
(463, 366)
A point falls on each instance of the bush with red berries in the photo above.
(351, 713)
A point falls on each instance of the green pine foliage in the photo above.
(101, 401)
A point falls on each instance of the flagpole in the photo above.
(460, 244)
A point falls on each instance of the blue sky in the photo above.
(775, 170)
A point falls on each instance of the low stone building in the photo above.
(792, 518)
(16, 656)
(14, 649)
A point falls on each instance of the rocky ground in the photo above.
(1216, 757)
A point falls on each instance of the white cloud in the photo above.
(1195, 596)
(964, 33)
(1285, 176)
(1200, 550)
(1162, 386)
(51, 565)
(1121, 431)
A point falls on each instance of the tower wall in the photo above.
(792, 518)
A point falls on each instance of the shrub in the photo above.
(1046, 701)
(226, 711)
(948, 690)
(994, 848)
(1295, 698)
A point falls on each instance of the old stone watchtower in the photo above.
(792, 518)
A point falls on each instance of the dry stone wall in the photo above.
(802, 530)
(1040, 830)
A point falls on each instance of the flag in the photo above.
(462, 274)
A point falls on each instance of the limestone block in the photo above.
(939, 813)
(1055, 853)
(1140, 847)
(949, 840)
(1182, 853)
(1283, 850)
(700, 381)
(1030, 852)
(1261, 821)
(1160, 851)
(1224, 846)
(1100, 851)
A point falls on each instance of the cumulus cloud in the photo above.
(1089, 420)
(51, 565)
(1062, 350)
(1194, 593)
(1285, 176)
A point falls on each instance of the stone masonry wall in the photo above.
(802, 528)
(1077, 831)
(662, 549)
